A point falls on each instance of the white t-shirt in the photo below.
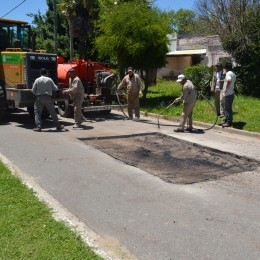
(230, 75)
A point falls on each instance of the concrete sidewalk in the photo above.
(231, 140)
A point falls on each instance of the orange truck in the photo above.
(99, 83)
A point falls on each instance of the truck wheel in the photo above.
(64, 109)
(2, 103)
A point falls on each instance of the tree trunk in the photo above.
(71, 40)
(55, 26)
(149, 80)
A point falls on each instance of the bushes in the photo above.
(248, 78)
(246, 81)
(201, 76)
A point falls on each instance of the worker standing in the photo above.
(217, 89)
(42, 89)
(228, 92)
(188, 98)
(133, 84)
(77, 94)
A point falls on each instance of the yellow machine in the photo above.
(20, 65)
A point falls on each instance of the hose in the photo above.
(212, 106)
(120, 106)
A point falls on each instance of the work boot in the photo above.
(227, 124)
(177, 130)
(76, 126)
(60, 127)
(37, 129)
(189, 129)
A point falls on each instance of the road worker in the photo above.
(42, 89)
(217, 89)
(188, 98)
(77, 93)
(133, 84)
(228, 92)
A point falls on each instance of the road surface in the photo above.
(131, 213)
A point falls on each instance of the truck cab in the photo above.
(20, 65)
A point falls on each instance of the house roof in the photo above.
(8, 22)
(187, 52)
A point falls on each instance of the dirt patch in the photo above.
(170, 159)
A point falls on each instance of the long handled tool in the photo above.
(171, 104)
(211, 105)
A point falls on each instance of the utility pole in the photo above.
(55, 25)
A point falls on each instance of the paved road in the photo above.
(130, 213)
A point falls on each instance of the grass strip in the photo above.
(27, 228)
(245, 109)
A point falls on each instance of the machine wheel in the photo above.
(65, 110)
(2, 103)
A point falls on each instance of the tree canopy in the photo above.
(77, 15)
(81, 16)
(43, 29)
(238, 25)
(182, 21)
(133, 33)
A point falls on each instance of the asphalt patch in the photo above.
(172, 160)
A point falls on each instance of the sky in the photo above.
(23, 7)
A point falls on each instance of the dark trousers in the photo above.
(47, 102)
(228, 109)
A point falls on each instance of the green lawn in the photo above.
(27, 228)
(246, 109)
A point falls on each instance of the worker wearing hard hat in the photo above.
(188, 98)
(133, 84)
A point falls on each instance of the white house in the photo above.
(186, 50)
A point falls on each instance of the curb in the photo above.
(96, 242)
(206, 125)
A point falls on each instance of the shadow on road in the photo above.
(24, 120)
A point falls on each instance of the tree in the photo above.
(183, 20)
(238, 25)
(133, 33)
(44, 32)
(75, 27)
(81, 15)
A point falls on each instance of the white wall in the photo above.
(176, 64)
